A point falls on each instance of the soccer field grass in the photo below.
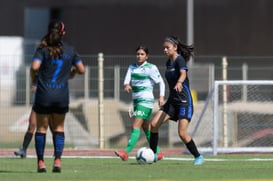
(226, 168)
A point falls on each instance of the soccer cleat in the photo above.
(41, 167)
(57, 166)
(122, 154)
(21, 152)
(198, 160)
(160, 156)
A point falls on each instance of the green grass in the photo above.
(224, 168)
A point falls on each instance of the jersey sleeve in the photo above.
(38, 55)
(127, 76)
(156, 76)
(182, 63)
(76, 58)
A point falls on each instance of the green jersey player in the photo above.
(140, 80)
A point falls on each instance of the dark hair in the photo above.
(53, 39)
(144, 48)
(185, 50)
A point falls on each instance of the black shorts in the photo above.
(49, 109)
(178, 111)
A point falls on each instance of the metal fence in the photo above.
(82, 125)
(243, 116)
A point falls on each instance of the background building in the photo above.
(226, 27)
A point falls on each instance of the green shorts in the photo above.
(142, 112)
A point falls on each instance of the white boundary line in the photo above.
(165, 158)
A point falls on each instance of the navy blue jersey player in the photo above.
(179, 106)
(52, 82)
(178, 98)
(54, 62)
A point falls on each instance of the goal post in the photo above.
(242, 116)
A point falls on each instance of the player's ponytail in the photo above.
(53, 39)
(185, 50)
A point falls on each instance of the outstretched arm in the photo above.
(161, 92)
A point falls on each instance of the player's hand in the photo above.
(33, 88)
(127, 88)
(73, 72)
(161, 101)
(178, 87)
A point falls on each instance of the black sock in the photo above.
(153, 141)
(27, 140)
(192, 148)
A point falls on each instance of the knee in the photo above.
(154, 126)
(31, 128)
(41, 128)
(145, 126)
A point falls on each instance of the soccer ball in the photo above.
(145, 155)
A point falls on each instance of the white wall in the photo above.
(11, 57)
